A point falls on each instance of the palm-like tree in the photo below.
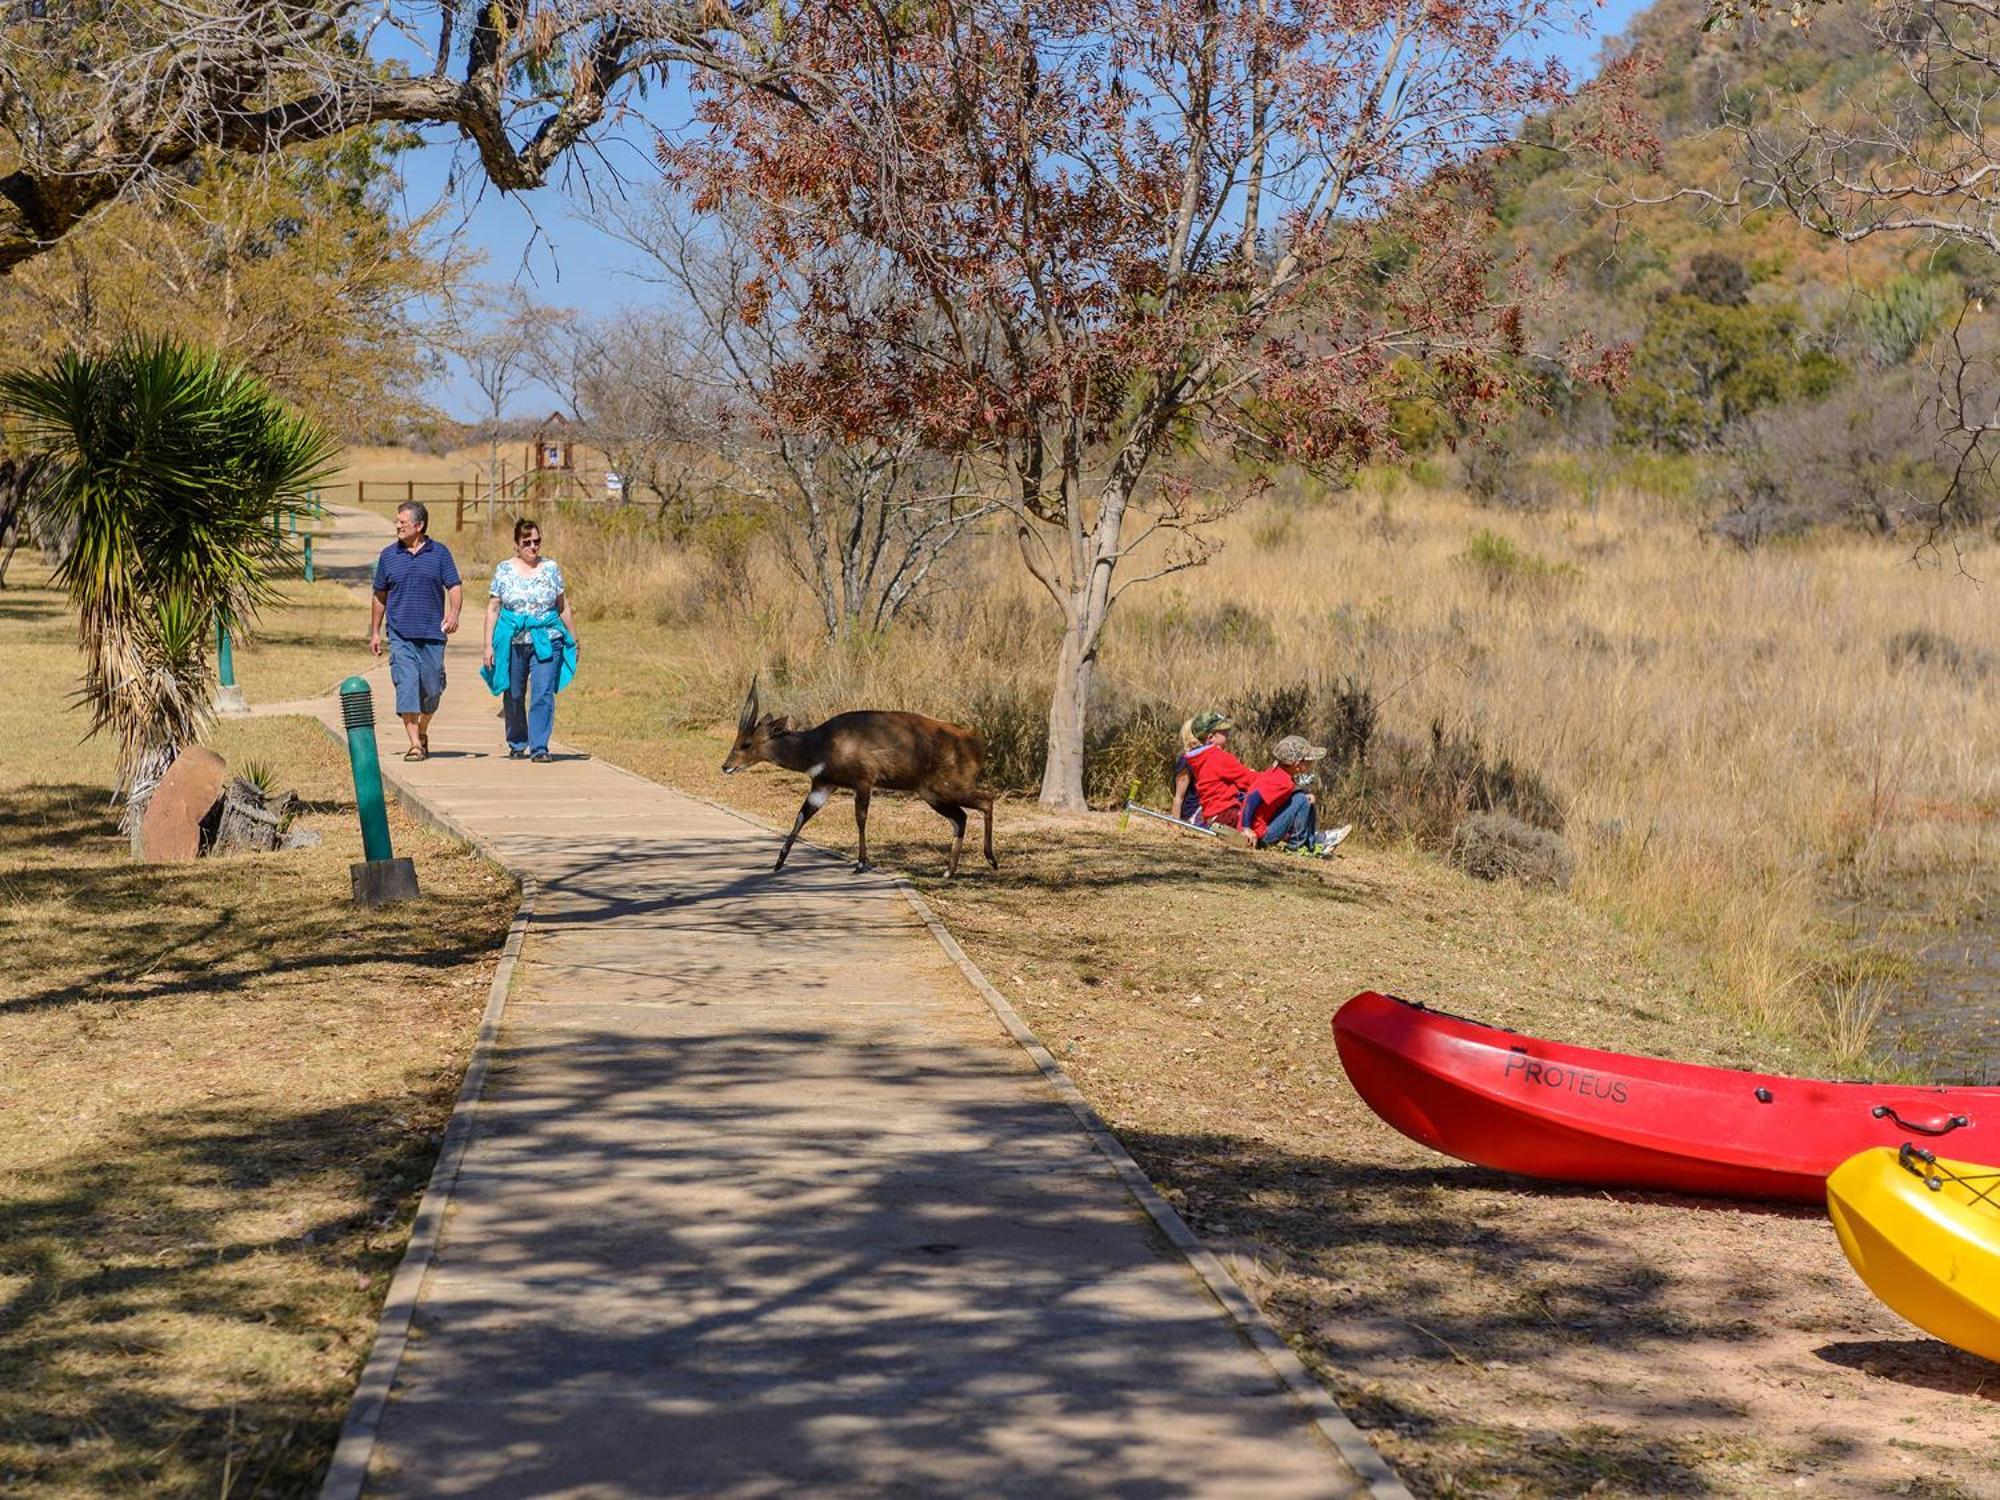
(168, 462)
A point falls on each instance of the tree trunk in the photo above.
(1069, 702)
(1085, 608)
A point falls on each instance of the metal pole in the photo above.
(309, 557)
(1131, 796)
(380, 876)
(1160, 817)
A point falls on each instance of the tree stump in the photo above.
(251, 823)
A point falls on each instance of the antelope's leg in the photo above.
(815, 800)
(986, 808)
(955, 815)
(861, 794)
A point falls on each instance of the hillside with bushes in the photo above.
(1785, 380)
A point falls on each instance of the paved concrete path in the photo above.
(762, 1201)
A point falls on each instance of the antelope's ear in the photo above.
(777, 724)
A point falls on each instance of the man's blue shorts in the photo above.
(417, 669)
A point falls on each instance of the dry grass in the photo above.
(1742, 743)
(221, 1087)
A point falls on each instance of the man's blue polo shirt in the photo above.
(412, 586)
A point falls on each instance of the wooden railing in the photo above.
(474, 497)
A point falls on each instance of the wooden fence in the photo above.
(483, 502)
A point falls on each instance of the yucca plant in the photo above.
(169, 462)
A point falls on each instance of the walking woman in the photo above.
(530, 642)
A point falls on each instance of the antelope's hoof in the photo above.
(862, 867)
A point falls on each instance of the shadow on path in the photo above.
(790, 1259)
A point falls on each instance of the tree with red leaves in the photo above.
(1129, 231)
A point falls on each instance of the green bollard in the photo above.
(228, 696)
(292, 519)
(380, 876)
(309, 557)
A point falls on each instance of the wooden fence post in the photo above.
(459, 524)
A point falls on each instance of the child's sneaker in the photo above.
(1333, 838)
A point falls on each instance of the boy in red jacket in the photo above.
(1278, 812)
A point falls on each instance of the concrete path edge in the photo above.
(1348, 1441)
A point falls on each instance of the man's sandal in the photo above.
(415, 753)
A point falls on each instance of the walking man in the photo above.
(417, 596)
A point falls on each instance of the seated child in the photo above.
(1186, 804)
(1218, 779)
(1277, 812)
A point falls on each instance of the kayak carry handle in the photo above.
(1936, 1125)
(1908, 1157)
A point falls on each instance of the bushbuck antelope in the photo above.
(865, 752)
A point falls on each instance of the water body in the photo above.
(1943, 1020)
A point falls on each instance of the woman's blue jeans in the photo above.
(1294, 825)
(530, 699)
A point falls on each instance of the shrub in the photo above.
(1423, 791)
(1920, 646)
(1347, 721)
(1128, 740)
(1496, 845)
(1014, 727)
(1487, 468)
(1506, 567)
(1703, 366)
(1179, 628)
(1862, 457)
(1419, 791)
(1275, 531)
(1264, 715)
(1897, 321)
(1717, 279)
(724, 540)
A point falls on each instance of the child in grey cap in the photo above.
(1277, 809)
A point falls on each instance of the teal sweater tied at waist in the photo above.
(545, 632)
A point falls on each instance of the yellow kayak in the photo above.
(1924, 1233)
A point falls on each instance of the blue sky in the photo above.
(541, 242)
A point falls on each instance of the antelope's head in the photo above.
(753, 735)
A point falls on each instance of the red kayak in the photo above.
(1499, 1099)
